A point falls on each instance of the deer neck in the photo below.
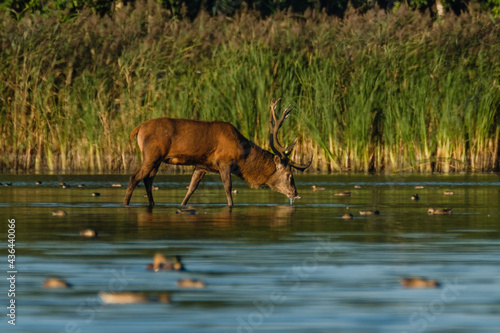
(256, 166)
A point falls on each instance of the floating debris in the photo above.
(317, 188)
(415, 197)
(161, 263)
(124, 297)
(54, 283)
(88, 233)
(369, 212)
(188, 283)
(343, 194)
(439, 211)
(163, 298)
(177, 264)
(417, 282)
(59, 213)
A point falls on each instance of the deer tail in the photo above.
(134, 132)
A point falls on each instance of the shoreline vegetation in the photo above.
(373, 92)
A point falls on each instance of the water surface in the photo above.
(268, 266)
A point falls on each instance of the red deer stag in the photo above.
(213, 146)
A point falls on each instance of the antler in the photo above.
(274, 126)
(301, 167)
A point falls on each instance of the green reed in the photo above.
(373, 93)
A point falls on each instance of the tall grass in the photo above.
(373, 92)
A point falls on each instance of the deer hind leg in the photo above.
(193, 185)
(148, 183)
(144, 171)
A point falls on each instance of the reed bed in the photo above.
(374, 92)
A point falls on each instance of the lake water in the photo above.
(268, 266)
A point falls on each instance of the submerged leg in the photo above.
(193, 185)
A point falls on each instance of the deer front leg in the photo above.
(225, 175)
(193, 185)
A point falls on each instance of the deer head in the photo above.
(274, 126)
(282, 180)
